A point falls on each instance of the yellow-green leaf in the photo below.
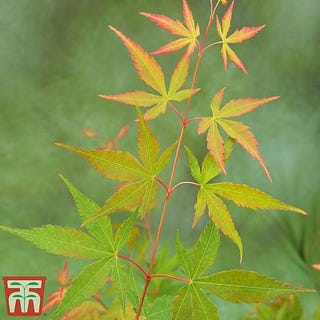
(179, 75)
(135, 98)
(183, 94)
(238, 107)
(148, 145)
(205, 250)
(246, 286)
(84, 286)
(248, 197)
(194, 165)
(114, 164)
(210, 168)
(191, 303)
(65, 241)
(100, 228)
(147, 67)
(130, 196)
(220, 215)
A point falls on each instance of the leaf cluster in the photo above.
(145, 280)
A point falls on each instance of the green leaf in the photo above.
(90, 280)
(63, 241)
(124, 232)
(205, 250)
(191, 303)
(248, 197)
(114, 164)
(100, 228)
(134, 290)
(246, 286)
(218, 213)
(165, 158)
(194, 165)
(160, 309)
(130, 196)
(209, 168)
(182, 302)
(119, 280)
(183, 257)
(148, 145)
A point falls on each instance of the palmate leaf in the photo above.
(113, 164)
(237, 37)
(205, 250)
(219, 214)
(188, 32)
(151, 73)
(191, 302)
(248, 197)
(242, 195)
(100, 228)
(235, 130)
(140, 186)
(65, 241)
(246, 286)
(160, 309)
(87, 283)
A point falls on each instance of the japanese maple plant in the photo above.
(144, 280)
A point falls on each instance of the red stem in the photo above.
(184, 123)
(169, 276)
(119, 255)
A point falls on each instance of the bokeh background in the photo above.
(57, 56)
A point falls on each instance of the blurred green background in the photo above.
(57, 56)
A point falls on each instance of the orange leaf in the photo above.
(188, 18)
(244, 34)
(238, 107)
(173, 26)
(172, 46)
(135, 98)
(236, 130)
(215, 146)
(189, 32)
(245, 138)
(146, 66)
(238, 36)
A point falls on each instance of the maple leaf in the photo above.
(236, 130)
(242, 195)
(139, 186)
(238, 36)
(151, 73)
(192, 302)
(188, 32)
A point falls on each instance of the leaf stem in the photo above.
(169, 276)
(162, 184)
(170, 189)
(119, 255)
(211, 45)
(178, 113)
(183, 183)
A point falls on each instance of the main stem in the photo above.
(184, 124)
